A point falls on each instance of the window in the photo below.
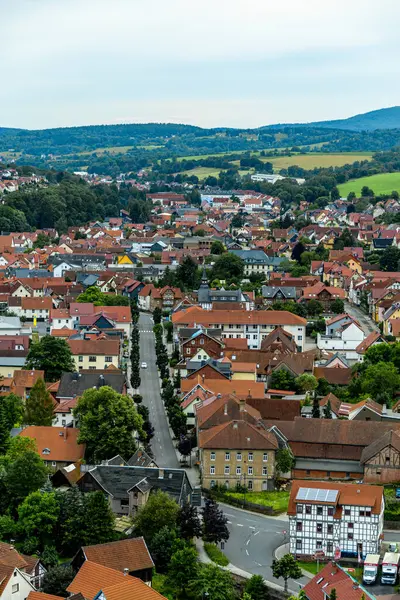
(265, 470)
(350, 536)
(387, 459)
(53, 464)
(124, 502)
(347, 512)
(308, 472)
(238, 456)
(350, 525)
(92, 358)
(319, 510)
(46, 451)
(80, 359)
(299, 526)
(299, 337)
(250, 457)
(329, 528)
(367, 513)
(187, 350)
(212, 483)
(330, 511)
(108, 359)
(249, 470)
(63, 422)
(15, 588)
(250, 484)
(227, 456)
(308, 509)
(212, 470)
(328, 473)
(212, 456)
(202, 342)
(318, 546)
(329, 547)
(227, 470)
(348, 475)
(298, 544)
(238, 470)
(319, 527)
(265, 457)
(299, 509)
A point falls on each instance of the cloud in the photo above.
(218, 61)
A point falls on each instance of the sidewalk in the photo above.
(284, 549)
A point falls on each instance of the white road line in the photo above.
(228, 515)
(247, 552)
(256, 533)
(251, 520)
(248, 542)
(251, 527)
(239, 524)
(229, 522)
(259, 564)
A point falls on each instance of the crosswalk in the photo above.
(145, 331)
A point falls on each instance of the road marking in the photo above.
(248, 542)
(251, 527)
(239, 524)
(229, 522)
(247, 552)
(251, 520)
(229, 515)
(259, 564)
(256, 533)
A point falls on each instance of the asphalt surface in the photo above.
(365, 321)
(162, 446)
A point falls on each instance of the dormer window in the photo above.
(46, 451)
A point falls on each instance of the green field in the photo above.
(277, 500)
(383, 183)
(317, 159)
(203, 172)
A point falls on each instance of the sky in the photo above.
(213, 63)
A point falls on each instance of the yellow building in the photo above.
(238, 452)
(244, 371)
(95, 354)
(124, 260)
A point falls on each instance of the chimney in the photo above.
(225, 408)
(126, 571)
(242, 406)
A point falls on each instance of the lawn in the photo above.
(216, 554)
(317, 159)
(383, 183)
(277, 500)
(203, 172)
(311, 567)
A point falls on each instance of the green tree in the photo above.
(228, 266)
(284, 461)
(71, 522)
(37, 517)
(98, 518)
(14, 408)
(162, 547)
(282, 380)
(186, 273)
(49, 557)
(157, 315)
(314, 308)
(107, 421)
(159, 511)
(287, 568)
(214, 523)
(382, 376)
(389, 260)
(255, 587)
(217, 247)
(183, 568)
(327, 411)
(26, 474)
(212, 580)
(337, 306)
(39, 406)
(57, 579)
(315, 409)
(345, 240)
(4, 430)
(306, 382)
(333, 594)
(52, 355)
(188, 522)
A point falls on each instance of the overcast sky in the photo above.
(241, 63)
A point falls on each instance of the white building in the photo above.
(345, 339)
(325, 517)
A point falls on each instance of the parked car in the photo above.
(144, 365)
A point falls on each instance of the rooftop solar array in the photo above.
(316, 495)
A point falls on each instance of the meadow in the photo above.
(317, 159)
(383, 183)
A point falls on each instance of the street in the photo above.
(365, 321)
(163, 449)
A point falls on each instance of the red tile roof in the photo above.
(129, 554)
(61, 441)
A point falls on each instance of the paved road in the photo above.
(163, 449)
(365, 321)
(254, 538)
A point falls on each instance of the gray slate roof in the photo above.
(74, 384)
(271, 292)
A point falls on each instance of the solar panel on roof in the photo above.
(317, 495)
(332, 495)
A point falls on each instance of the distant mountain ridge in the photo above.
(383, 118)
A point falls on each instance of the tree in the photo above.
(4, 430)
(379, 377)
(389, 259)
(39, 406)
(284, 461)
(52, 355)
(186, 273)
(107, 423)
(49, 557)
(183, 568)
(37, 517)
(26, 474)
(255, 587)
(314, 308)
(282, 380)
(98, 518)
(306, 382)
(162, 547)
(327, 411)
(71, 522)
(135, 376)
(184, 446)
(57, 579)
(345, 240)
(315, 409)
(13, 407)
(333, 594)
(188, 522)
(287, 568)
(297, 251)
(214, 523)
(159, 511)
(212, 580)
(157, 315)
(337, 306)
(366, 192)
(217, 247)
(228, 266)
